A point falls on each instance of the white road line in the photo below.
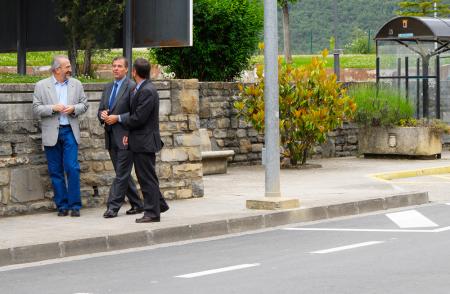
(347, 247)
(410, 219)
(360, 230)
(218, 270)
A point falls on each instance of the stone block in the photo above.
(4, 177)
(164, 171)
(220, 134)
(204, 108)
(194, 153)
(257, 147)
(5, 195)
(241, 133)
(184, 193)
(245, 146)
(169, 194)
(178, 117)
(188, 170)
(97, 166)
(189, 101)
(85, 246)
(193, 122)
(26, 185)
(5, 149)
(198, 189)
(108, 166)
(176, 154)
(187, 140)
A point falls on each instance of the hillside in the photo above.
(317, 16)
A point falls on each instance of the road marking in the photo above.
(410, 219)
(347, 247)
(360, 230)
(218, 270)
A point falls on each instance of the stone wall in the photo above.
(218, 115)
(24, 182)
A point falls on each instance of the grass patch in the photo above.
(45, 58)
(383, 107)
(347, 60)
(18, 79)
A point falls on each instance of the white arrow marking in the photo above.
(411, 219)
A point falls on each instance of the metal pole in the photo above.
(418, 88)
(21, 38)
(407, 77)
(337, 65)
(368, 42)
(399, 73)
(335, 15)
(128, 35)
(271, 108)
(438, 87)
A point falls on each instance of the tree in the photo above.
(226, 34)
(89, 24)
(423, 8)
(284, 4)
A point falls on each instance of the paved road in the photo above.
(404, 251)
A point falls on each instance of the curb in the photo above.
(39, 252)
(412, 173)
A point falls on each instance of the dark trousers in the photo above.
(63, 158)
(144, 165)
(122, 160)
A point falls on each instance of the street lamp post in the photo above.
(272, 199)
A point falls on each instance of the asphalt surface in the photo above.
(401, 251)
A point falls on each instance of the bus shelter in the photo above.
(413, 55)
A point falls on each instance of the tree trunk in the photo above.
(87, 62)
(286, 35)
(73, 60)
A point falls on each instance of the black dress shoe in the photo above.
(133, 210)
(164, 208)
(63, 213)
(110, 214)
(147, 219)
(75, 213)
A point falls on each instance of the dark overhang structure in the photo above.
(417, 34)
(30, 25)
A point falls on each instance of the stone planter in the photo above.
(410, 141)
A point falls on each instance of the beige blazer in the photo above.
(44, 97)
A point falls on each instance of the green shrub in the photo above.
(360, 43)
(226, 34)
(383, 107)
(311, 103)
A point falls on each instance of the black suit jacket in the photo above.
(117, 132)
(143, 120)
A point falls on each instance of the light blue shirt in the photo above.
(61, 92)
(119, 84)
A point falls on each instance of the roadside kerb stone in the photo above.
(188, 232)
(84, 246)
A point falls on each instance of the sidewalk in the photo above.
(343, 186)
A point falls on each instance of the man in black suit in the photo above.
(144, 140)
(116, 100)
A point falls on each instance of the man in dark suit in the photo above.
(144, 139)
(116, 100)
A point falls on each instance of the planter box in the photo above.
(411, 141)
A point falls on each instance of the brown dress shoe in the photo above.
(147, 219)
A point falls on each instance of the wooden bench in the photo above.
(214, 162)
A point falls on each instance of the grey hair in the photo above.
(56, 61)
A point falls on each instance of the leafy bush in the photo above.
(226, 34)
(311, 103)
(360, 43)
(383, 107)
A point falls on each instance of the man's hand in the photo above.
(58, 107)
(111, 119)
(104, 114)
(69, 109)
